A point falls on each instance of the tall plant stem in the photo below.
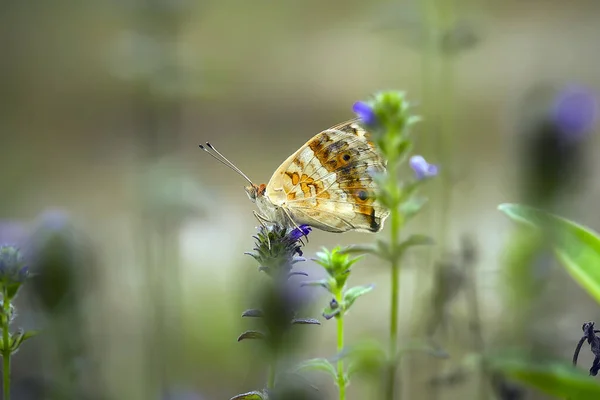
(340, 347)
(271, 376)
(396, 223)
(6, 347)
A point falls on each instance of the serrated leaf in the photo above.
(355, 292)
(250, 396)
(251, 335)
(254, 312)
(557, 379)
(575, 246)
(317, 364)
(306, 321)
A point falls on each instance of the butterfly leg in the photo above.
(263, 220)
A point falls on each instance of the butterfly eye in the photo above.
(346, 157)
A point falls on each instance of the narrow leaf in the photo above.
(359, 249)
(416, 240)
(317, 364)
(306, 321)
(29, 335)
(355, 292)
(297, 273)
(557, 379)
(322, 282)
(250, 396)
(254, 312)
(251, 335)
(424, 347)
(411, 207)
(576, 246)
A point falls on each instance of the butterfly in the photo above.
(328, 183)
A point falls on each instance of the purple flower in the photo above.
(13, 232)
(575, 112)
(422, 168)
(364, 112)
(297, 233)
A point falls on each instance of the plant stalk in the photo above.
(271, 376)
(341, 380)
(6, 347)
(396, 223)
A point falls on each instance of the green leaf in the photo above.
(412, 206)
(317, 364)
(250, 396)
(324, 283)
(254, 312)
(355, 292)
(364, 358)
(329, 312)
(557, 379)
(359, 249)
(251, 335)
(414, 240)
(576, 246)
(335, 262)
(305, 321)
(29, 335)
(15, 340)
(429, 348)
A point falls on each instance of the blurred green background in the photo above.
(104, 105)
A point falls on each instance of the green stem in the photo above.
(340, 347)
(396, 224)
(271, 376)
(6, 348)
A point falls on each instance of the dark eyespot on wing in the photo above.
(362, 195)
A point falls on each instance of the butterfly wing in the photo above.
(328, 183)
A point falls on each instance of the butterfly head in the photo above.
(255, 191)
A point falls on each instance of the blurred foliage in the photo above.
(103, 105)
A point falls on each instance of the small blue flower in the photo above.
(575, 111)
(297, 233)
(365, 112)
(422, 168)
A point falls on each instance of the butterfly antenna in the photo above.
(220, 158)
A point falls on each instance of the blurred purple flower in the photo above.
(297, 233)
(364, 112)
(14, 233)
(575, 111)
(422, 168)
(54, 220)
